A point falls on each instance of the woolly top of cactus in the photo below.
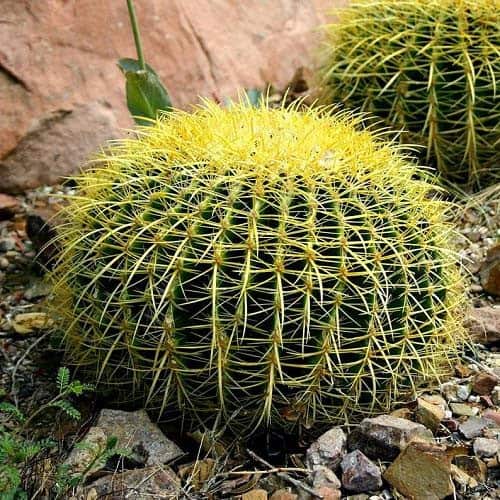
(266, 145)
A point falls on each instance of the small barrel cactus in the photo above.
(258, 267)
(428, 67)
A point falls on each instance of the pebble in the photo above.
(385, 436)
(484, 383)
(463, 410)
(429, 414)
(474, 427)
(7, 244)
(473, 466)
(323, 476)
(484, 447)
(421, 471)
(327, 450)
(4, 263)
(455, 392)
(360, 474)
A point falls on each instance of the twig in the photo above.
(20, 360)
(285, 476)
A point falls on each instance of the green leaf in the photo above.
(67, 408)
(254, 97)
(62, 378)
(146, 95)
(12, 410)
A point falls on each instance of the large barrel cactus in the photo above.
(260, 266)
(428, 67)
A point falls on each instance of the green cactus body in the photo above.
(263, 266)
(428, 67)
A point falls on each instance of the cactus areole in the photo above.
(430, 68)
(258, 267)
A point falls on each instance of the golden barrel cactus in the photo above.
(258, 267)
(430, 68)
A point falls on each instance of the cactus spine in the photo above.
(428, 67)
(266, 266)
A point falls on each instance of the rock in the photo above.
(462, 478)
(25, 323)
(495, 395)
(56, 55)
(8, 206)
(484, 447)
(284, 495)
(57, 146)
(90, 449)
(435, 399)
(474, 427)
(455, 392)
(472, 466)
(38, 288)
(385, 436)
(463, 410)
(490, 271)
(429, 414)
(359, 474)
(135, 431)
(483, 383)
(361, 496)
(257, 494)
(138, 484)
(327, 450)
(323, 476)
(484, 324)
(7, 244)
(492, 416)
(328, 493)
(421, 471)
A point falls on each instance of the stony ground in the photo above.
(453, 431)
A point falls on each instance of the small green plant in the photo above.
(254, 266)
(430, 68)
(18, 447)
(146, 95)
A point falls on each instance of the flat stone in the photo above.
(327, 450)
(7, 244)
(323, 476)
(473, 466)
(327, 493)
(455, 392)
(484, 324)
(25, 323)
(463, 479)
(82, 457)
(135, 432)
(257, 494)
(490, 271)
(492, 416)
(421, 471)
(495, 395)
(284, 494)
(137, 484)
(483, 383)
(485, 448)
(385, 436)
(360, 474)
(463, 410)
(474, 426)
(429, 414)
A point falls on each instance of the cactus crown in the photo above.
(265, 266)
(428, 67)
